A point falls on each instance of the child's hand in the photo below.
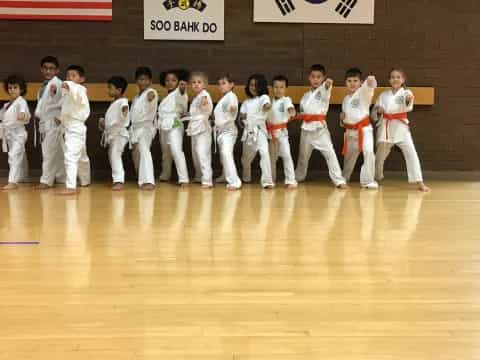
(101, 124)
(125, 110)
(292, 112)
(328, 83)
(204, 104)
(267, 107)
(232, 109)
(21, 116)
(182, 86)
(371, 81)
(409, 98)
(65, 86)
(57, 121)
(380, 111)
(342, 117)
(53, 89)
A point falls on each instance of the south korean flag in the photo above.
(315, 11)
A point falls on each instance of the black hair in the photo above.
(51, 60)
(280, 78)
(318, 67)
(401, 71)
(180, 74)
(79, 69)
(119, 83)
(353, 72)
(15, 80)
(226, 76)
(143, 71)
(261, 84)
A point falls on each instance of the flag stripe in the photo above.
(55, 5)
(56, 17)
(96, 12)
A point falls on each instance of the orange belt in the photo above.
(308, 118)
(390, 117)
(359, 127)
(272, 127)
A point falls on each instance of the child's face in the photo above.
(198, 84)
(171, 82)
(14, 91)
(353, 83)
(279, 89)
(252, 86)
(113, 91)
(316, 78)
(49, 70)
(73, 75)
(225, 86)
(396, 79)
(143, 82)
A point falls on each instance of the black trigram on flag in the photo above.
(285, 6)
(345, 7)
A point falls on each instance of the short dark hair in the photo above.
(226, 76)
(280, 78)
(180, 74)
(119, 83)
(51, 60)
(79, 69)
(15, 79)
(143, 71)
(353, 72)
(318, 67)
(261, 83)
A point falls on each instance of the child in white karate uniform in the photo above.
(170, 127)
(49, 106)
(254, 112)
(200, 130)
(226, 113)
(143, 113)
(114, 126)
(358, 129)
(314, 134)
(14, 116)
(74, 114)
(282, 111)
(391, 114)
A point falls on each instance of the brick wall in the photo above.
(436, 42)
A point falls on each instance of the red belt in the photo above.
(308, 118)
(390, 117)
(272, 127)
(359, 127)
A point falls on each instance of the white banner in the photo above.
(184, 19)
(315, 11)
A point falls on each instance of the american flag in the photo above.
(90, 10)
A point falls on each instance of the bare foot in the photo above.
(342, 186)
(67, 192)
(206, 186)
(183, 184)
(292, 186)
(268, 187)
(117, 187)
(147, 187)
(84, 185)
(42, 186)
(232, 188)
(10, 186)
(422, 187)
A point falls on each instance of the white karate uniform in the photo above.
(226, 135)
(356, 108)
(398, 134)
(142, 131)
(48, 108)
(255, 139)
(171, 129)
(280, 146)
(14, 137)
(75, 111)
(115, 136)
(200, 131)
(315, 135)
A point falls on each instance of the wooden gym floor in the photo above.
(174, 274)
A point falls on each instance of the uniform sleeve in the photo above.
(409, 107)
(289, 103)
(181, 103)
(379, 103)
(326, 94)
(78, 94)
(243, 109)
(367, 92)
(264, 100)
(22, 108)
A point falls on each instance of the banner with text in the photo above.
(184, 19)
(315, 11)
